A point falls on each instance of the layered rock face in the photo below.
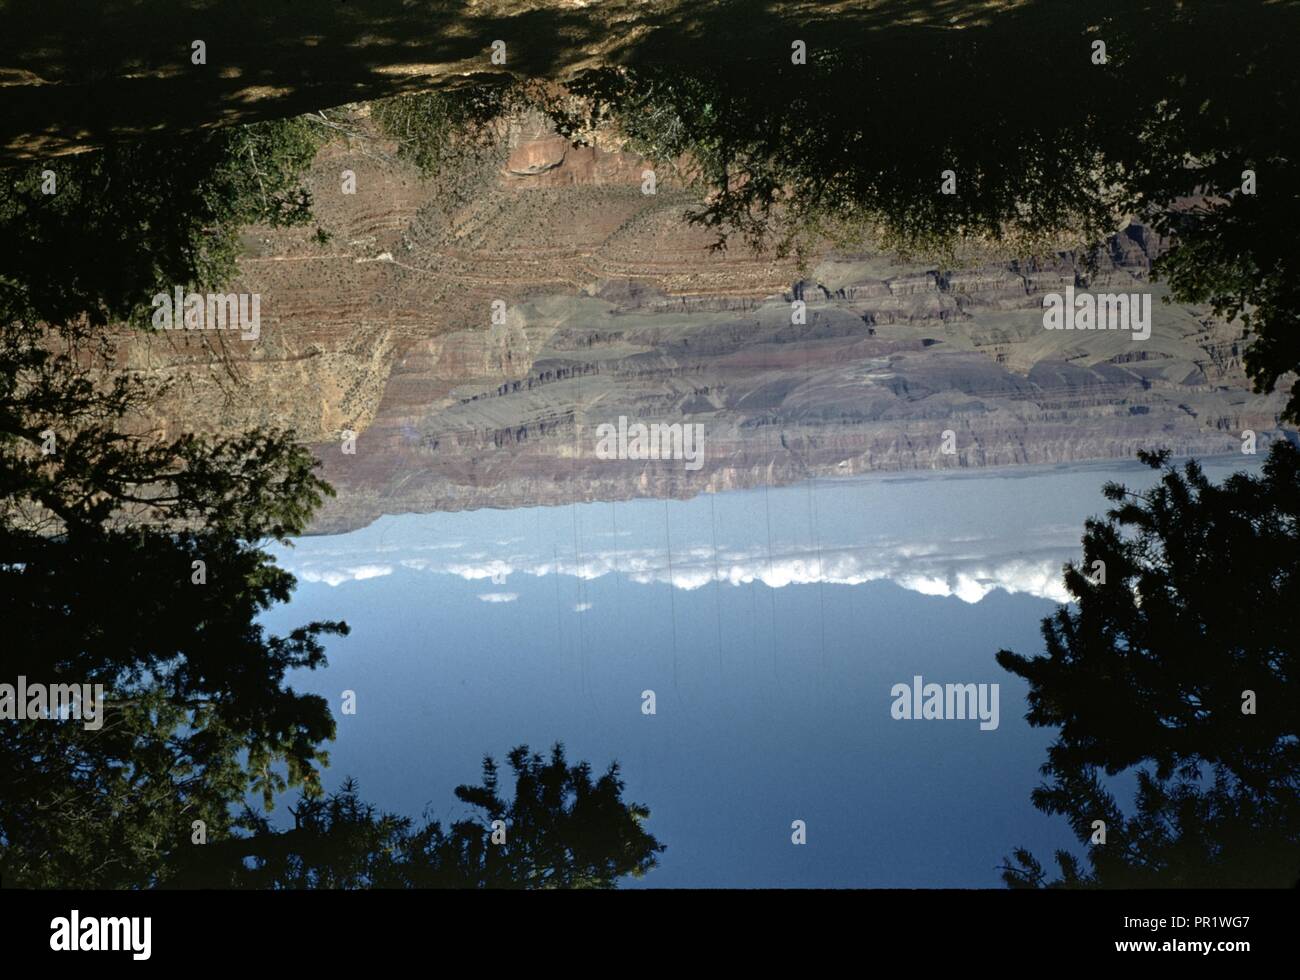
(476, 331)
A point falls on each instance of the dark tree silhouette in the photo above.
(1182, 665)
(131, 560)
(98, 585)
(133, 219)
(562, 829)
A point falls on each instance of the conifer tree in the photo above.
(1180, 664)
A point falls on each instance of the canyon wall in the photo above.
(474, 330)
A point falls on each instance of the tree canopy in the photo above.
(1177, 661)
(561, 829)
(139, 564)
(131, 219)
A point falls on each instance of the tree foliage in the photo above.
(561, 829)
(433, 130)
(98, 544)
(129, 559)
(133, 219)
(1180, 666)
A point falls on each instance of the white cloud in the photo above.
(336, 577)
(927, 569)
(495, 569)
